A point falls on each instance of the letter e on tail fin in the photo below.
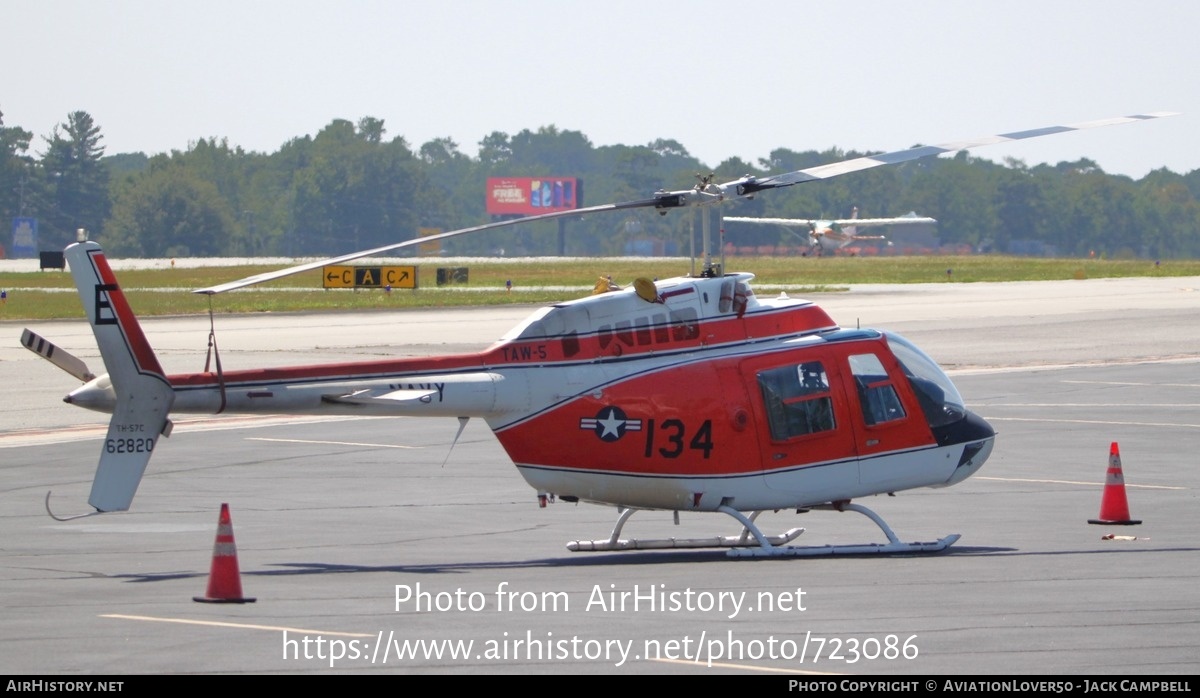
(144, 395)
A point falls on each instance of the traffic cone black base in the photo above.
(1114, 508)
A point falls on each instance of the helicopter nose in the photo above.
(974, 427)
(977, 438)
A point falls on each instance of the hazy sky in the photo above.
(723, 78)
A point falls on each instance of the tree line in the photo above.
(350, 188)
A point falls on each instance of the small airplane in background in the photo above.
(687, 394)
(837, 233)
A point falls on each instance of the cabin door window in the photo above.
(797, 400)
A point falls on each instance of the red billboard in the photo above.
(527, 196)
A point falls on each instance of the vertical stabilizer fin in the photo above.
(144, 395)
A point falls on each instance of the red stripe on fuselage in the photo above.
(363, 370)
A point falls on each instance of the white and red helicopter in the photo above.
(688, 394)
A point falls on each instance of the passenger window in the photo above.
(797, 400)
(876, 395)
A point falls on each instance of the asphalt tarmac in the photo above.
(374, 545)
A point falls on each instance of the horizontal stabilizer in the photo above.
(368, 397)
(56, 355)
(451, 395)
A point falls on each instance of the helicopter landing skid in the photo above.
(750, 535)
(893, 546)
(752, 542)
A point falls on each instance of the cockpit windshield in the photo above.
(939, 399)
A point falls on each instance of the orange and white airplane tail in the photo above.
(851, 231)
(142, 395)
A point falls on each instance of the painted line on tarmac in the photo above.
(219, 624)
(1073, 482)
(747, 667)
(1092, 421)
(331, 443)
(53, 436)
(1124, 405)
(1159, 385)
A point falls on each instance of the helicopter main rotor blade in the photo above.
(750, 185)
(707, 193)
(308, 266)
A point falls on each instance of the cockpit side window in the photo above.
(876, 394)
(797, 400)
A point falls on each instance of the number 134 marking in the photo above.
(670, 435)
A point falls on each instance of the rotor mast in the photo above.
(706, 195)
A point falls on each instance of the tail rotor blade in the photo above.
(56, 355)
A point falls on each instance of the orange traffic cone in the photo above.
(224, 581)
(1114, 509)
